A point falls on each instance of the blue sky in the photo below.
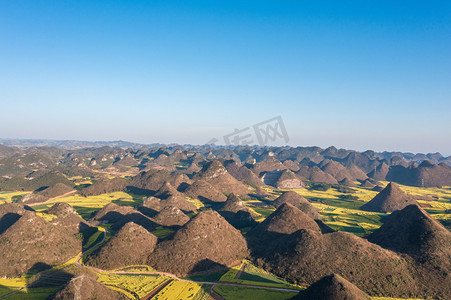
(354, 74)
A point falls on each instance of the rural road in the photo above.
(51, 199)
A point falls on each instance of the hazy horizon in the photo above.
(445, 154)
(356, 75)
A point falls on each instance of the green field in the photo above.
(212, 277)
(37, 293)
(253, 275)
(247, 293)
(162, 232)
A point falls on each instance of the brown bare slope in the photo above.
(281, 223)
(30, 240)
(6, 151)
(288, 180)
(414, 232)
(426, 174)
(216, 174)
(268, 165)
(335, 169)
(56, 190)
(285, 220)
(111, 213)
(32, 198)
(332, 287)
(10, 213)
(307, 255)
(357, 173)
(34, 181)
(361, 160)
(117, 252)
(150, 206)
(367, 183)
(86, 288)
(204, 191)
(171, 216)
(166, 190)
(67, 217)
(205, 242)
(315, 174)
(120, 215)
(53, 191)
(291, 165)
(236, 213)
(105, 186)
(380, 172)
(234, 204)
(242, 173)
(155, 178)
(416, 235)
(48, 179)
(391, 198)
(298, 201)
(125, 161)
(347, 182)
(179, 202)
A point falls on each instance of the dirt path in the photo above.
(51, 199)
(237, 276)
(215, 295)
(156, 290)
(77, 262)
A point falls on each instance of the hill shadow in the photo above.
(147, 211)
(39, 276)
(262, 244)
(240, 219)
(8, 220)
(136, 218)
(139, 191)
(256, 278)
(206, 266)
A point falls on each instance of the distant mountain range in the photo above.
(76, 144)
(67, 144)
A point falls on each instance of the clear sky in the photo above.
(354, 74)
